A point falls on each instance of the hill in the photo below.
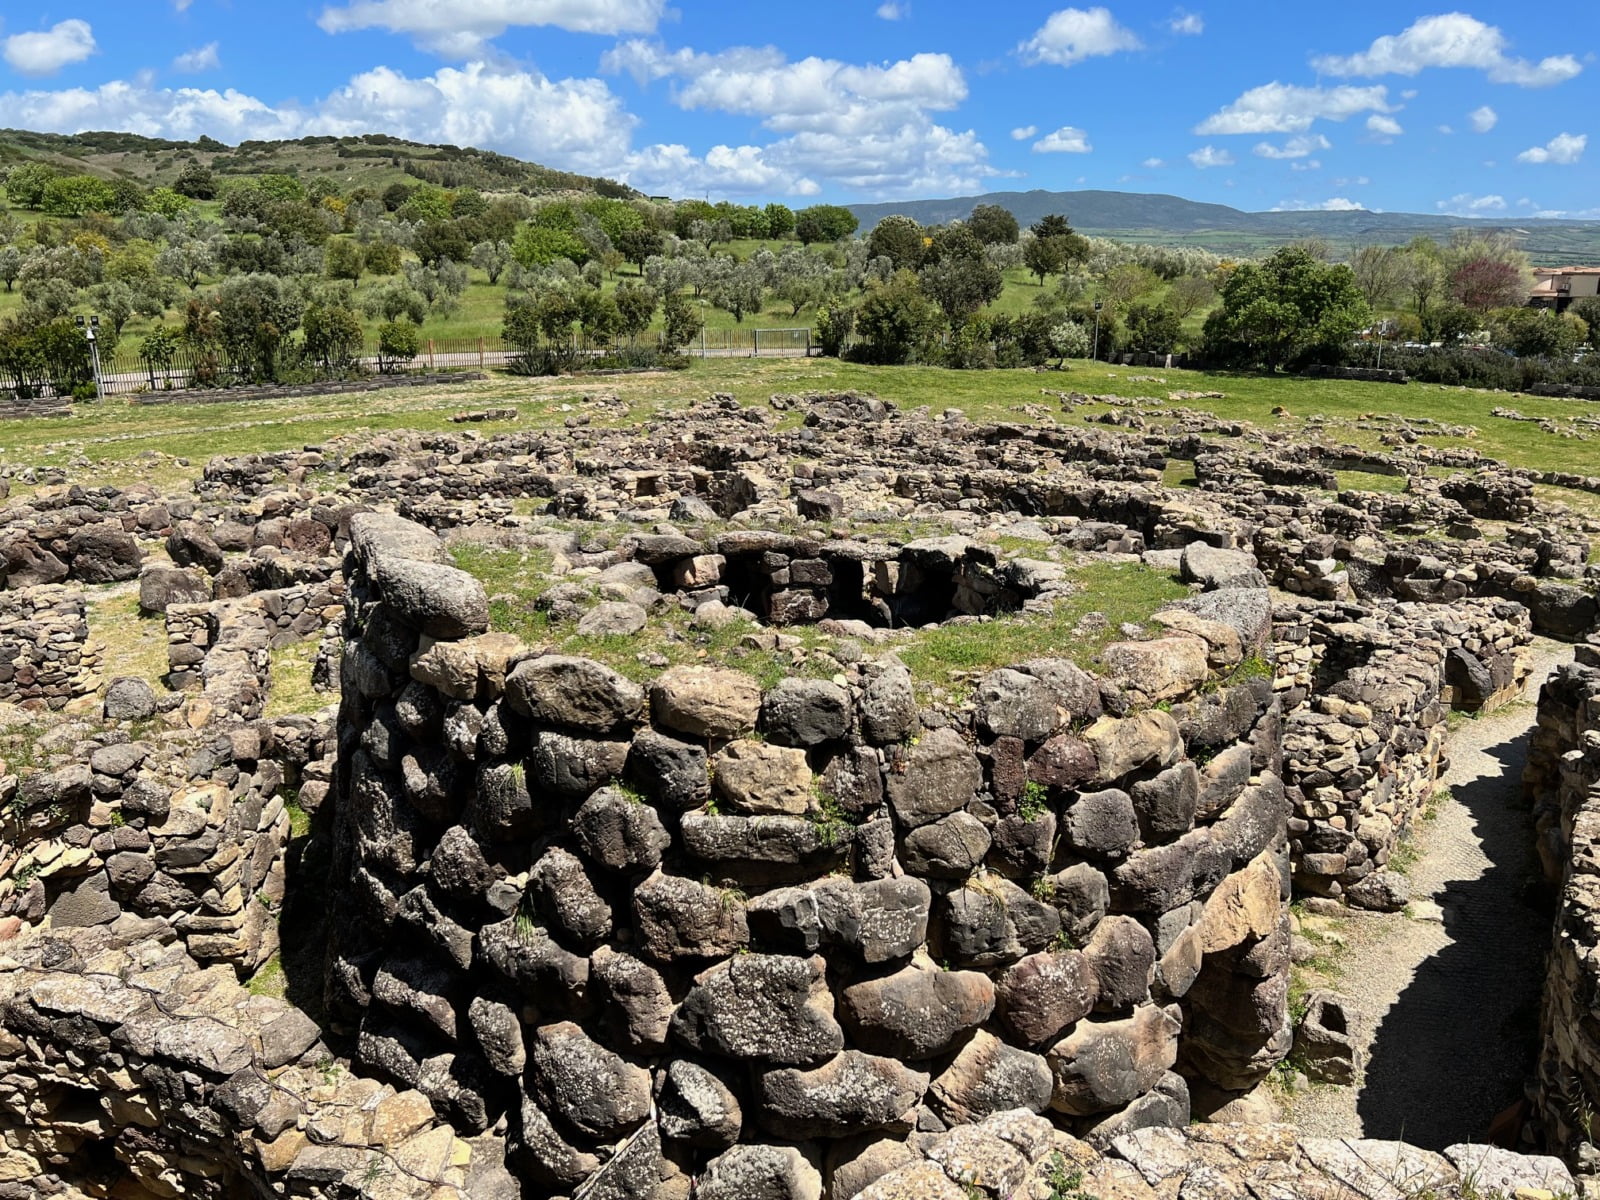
(1172, 220)
(372, 160)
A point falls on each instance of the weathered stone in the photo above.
(850, 1093)
(1122, 956)
(988, 1077)
(917, 1012)
(805, 712)
(941, 776)
(619, 833)
(757, 1172)
(757, 778)
(681, 918)
(574, 693)
(706, 701)
(759, 1006)
(1104, 1065)
(696, 1107)
(1043, 995)
(584, 1085)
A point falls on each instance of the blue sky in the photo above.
(1387, 106)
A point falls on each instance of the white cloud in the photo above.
(1066, 140)
(1210, 156)
(1450, 40)
(1383, 129)
(1352, 181)
(864, 126)
(202, 58)
(1445, 129)
(182, 5)
(1483, 119)
(46, 51)
(1333, 204)
(1023, 132)
(1283, 108)
(1310, 164)
(1186, 24)
(890, 10)
(1153, 163)
(1464, 204)
(1073, 34)
(1296, 147)
(1564, 148)
(460, 28)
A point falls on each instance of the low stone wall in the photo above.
(223, 648)
(46, 655)
(1562, 783)
(700, 913)
(191, 831)
(127, 1070)
(1367, 689)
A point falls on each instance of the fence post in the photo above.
(755, 343)
(430, 354)
(480, 353)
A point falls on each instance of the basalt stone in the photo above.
(673, 772)
(1165, 1106)
(941, 775)
(538, 1148)
(502, 809)
(763, 851)
(1221, 781)
(637, 1005)
(990, 1077)
(706, 701)
(853, 777)
(888, 705)
(917, 1012)
(1158, 879)
(566, 897)
(103, 554)
(767, 1007)
(1105, 1065)
(1062, 763)
(1043, 995)
(1102, 823)
(1166, 802)
(1123, 955)
(1023, 846)
(878, 921)
(681, 918)
(499, 1035)
(757, 778)
(851, 1093)
(1012, 704)
(160, 587)
(1122, 746)
(696, 1107)
(805, 712)
(949, 848)
(619, 833)
(460, 868)
(994, 923)
(422, 989)
(129, 699)
(757, 1172)
(442, 602)
(572, 766)
(574, 693)
(530, 958)
(585, 1086)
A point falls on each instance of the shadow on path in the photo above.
(1462, 1037)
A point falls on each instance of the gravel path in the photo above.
(1451, 1008)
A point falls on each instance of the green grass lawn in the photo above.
(113, 436)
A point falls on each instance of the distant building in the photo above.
(1558, 287)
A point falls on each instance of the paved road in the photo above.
(1451, 1008)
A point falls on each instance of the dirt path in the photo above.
(1451, 1006)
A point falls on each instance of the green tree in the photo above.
(381, 258)
(158, 350)
(836, 321)
(540, 245)
(636, 305)
(993, 225)
(492, 258)
(256, 315)
(25, 185)
(895, 319)
(1190, 293)
(168, 202)
(343, 259)
(1288, 307)
(440, 240)
(332, 335)
(1045, 256)
(824, 223)
(1538, 332)
(736, 290)
(196, 182)
(680, 323)
(958, 276)
(637, 245)
(780, 220)
(1586, 310)
(398, 342)
(75, 195)
(10, 265)
(1153, 327)
(899, 239)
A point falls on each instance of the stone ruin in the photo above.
(673, 930)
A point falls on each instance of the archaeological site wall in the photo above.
(746, 917)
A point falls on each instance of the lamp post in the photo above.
(90, 332)
(1098, 305)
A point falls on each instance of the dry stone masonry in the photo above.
(631, 930)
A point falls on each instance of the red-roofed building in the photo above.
(1557, 287)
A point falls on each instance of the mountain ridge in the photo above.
(1162, 217)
